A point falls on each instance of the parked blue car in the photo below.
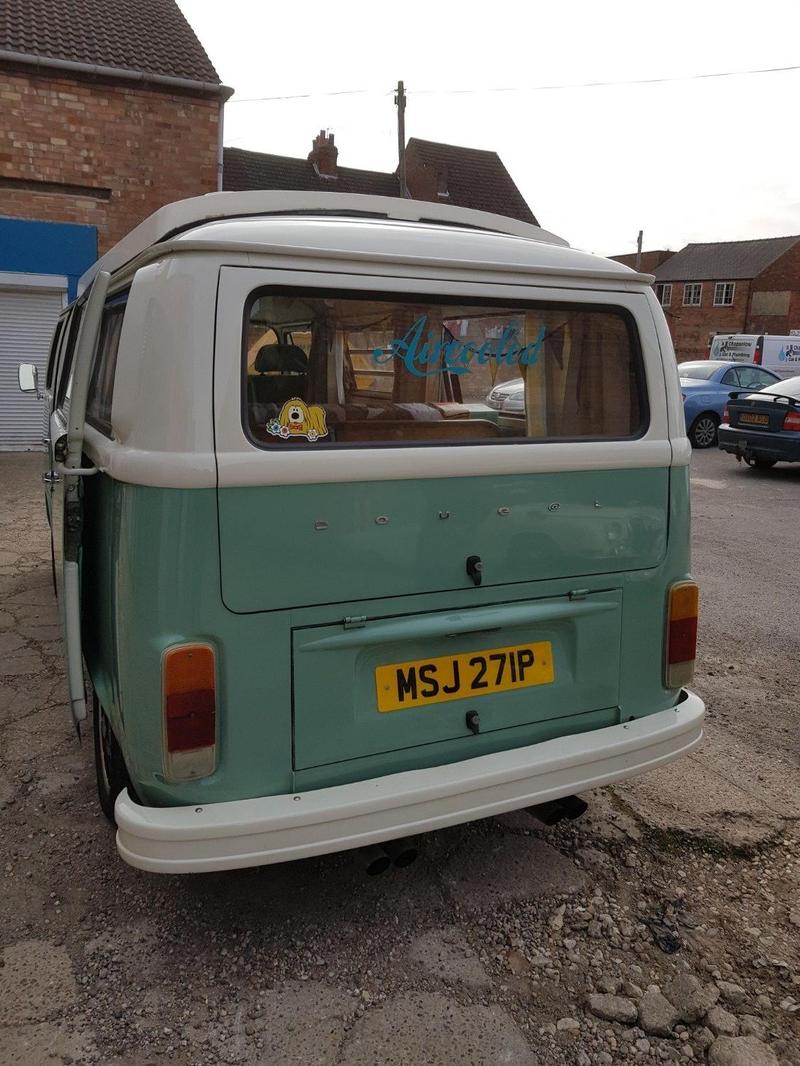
(706, 386)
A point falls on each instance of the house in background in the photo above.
(108, 112)
(444, 173)
(728, 287)
(648, 263)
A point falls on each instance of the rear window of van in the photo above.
(337, 369)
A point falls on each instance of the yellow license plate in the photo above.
(456, 677)
(755, 420)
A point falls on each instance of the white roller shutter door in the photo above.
(27, 321)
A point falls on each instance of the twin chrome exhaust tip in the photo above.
(378, 858)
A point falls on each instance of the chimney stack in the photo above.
(323, 155)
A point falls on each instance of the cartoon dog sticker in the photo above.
(297, 419)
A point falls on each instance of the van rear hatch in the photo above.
(364, 687)
(288, 546)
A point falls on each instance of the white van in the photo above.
(779, 354)
(326, 596)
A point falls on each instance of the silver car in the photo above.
(508, 397)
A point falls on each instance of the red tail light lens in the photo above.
(726, 416)
(792, 422)
(681, 642)
(190, 711)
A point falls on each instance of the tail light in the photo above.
(792, 421)
(726, 416)
(190, 711)
(681, 634)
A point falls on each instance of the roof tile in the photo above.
(146, 36)
(724, 261)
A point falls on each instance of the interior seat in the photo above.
(281, 372)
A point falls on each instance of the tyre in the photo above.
(112, 776)
(703, 431)
(763, 464)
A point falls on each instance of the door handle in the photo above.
(50, 477)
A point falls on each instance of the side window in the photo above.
(753, 378)
(101, 384)
(51, 359)
(65, 369)
(731, 378)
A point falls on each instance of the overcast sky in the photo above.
(706, 160)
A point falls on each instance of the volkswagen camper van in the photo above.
(322, 595)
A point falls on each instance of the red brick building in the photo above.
(108, 112)
(732, 287)
(444, 173)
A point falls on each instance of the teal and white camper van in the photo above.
(326, 595)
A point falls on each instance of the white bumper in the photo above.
(253, 832)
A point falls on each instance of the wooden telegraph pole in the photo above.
(400, 101)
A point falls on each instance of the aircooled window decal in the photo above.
(345, 369)
(423, 352)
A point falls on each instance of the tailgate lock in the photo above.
(473, 721)
(475, 568)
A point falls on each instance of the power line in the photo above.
(524, 88)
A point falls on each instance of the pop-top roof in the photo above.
(184, 215)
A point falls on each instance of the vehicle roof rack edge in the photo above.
(178, 217)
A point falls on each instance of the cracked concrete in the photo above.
(482, 951)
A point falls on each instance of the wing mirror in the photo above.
(28, 376)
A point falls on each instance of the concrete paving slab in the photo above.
(690, 797)
(36, 982)
(429, 1028)
(301, 1023)
(505, 868)
(46, 1044)
(444, 953)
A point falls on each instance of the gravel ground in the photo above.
(662, 926)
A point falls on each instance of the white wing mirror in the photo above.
(29, 378)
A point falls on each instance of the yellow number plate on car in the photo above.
(456, 677)
(755, 420)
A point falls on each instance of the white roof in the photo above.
(340, 223)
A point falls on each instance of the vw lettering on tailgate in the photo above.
(455, 677)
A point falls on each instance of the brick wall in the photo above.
(782, 277)
(139, 148)
(690, 326)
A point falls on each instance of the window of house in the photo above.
(664, 294)
(692, 294)
(723, 293)
(101, 384)
(340, 369)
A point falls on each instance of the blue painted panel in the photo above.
(34, 247)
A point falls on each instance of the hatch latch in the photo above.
(475, 568)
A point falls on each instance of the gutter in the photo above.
(211, 88)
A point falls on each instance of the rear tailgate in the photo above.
(286, 546)
(371, 686)
(766, 415)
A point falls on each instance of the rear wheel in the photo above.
(112, 775)
(703, 431)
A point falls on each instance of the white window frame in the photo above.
(723, 285)
(692, 285)
(665, 297)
